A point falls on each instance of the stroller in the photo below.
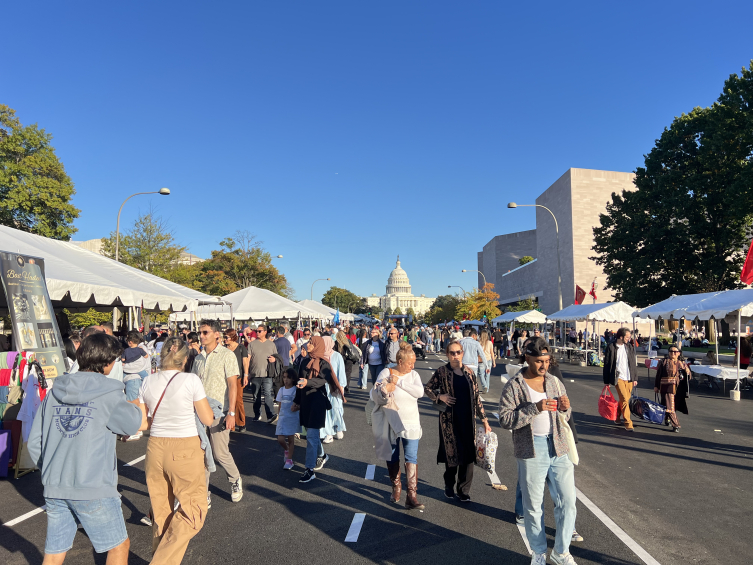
(418, 349)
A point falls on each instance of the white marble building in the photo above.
(398, 294)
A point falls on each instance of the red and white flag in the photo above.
(580, 294)
(593, 290)
(747, 273)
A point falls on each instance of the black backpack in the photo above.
(352, 353)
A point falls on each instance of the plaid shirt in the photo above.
(214, 370)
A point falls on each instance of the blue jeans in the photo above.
(532, 476)
(374, 371)
(410, 449)
(259, 384)
(363, 375)
(483, 378)
(102, 519)
(314, 447)
(133, 386)
(436, 345)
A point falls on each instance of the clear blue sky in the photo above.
(343, 133)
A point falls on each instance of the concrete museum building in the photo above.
(398, 294)
(576, 199)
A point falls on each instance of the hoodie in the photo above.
(74, 435)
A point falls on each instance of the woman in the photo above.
(194, 348)
(519, 343)
(745, 352)
(341, 346)
(230, 339)
(314, 373)
(396, 393)
(363, 372)
(334, 425)
(174, 458)
(672, 382)
(489, 360)
(454, 387)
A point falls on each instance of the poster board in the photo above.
(34, 325)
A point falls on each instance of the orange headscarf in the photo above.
(315, 349)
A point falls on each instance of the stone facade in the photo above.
(576, 199)
(398, 294)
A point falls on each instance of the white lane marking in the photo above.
(493, 477)
(616, 530)
(25, 516)
(355, 528)
(522, 530)
(495, 415)
(370, 472)
(137, 460)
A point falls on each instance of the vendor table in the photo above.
(719, 373)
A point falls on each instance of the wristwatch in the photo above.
(231, 414)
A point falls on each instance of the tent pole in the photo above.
(739, 352)
(716, 343)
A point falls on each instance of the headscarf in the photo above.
(315, 349)
(329, 347)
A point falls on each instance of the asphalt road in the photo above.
(682, 498)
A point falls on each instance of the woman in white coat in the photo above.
(395, 420)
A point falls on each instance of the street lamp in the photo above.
(279, 256)
(162, 191)
(312, 286)
(557, 231)
(455, 286)
(479, 272)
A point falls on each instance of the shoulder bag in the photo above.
(154, 412)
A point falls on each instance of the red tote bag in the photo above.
(607, 404)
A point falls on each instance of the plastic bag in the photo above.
(486, 449)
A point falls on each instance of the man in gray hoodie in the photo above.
(73, 442)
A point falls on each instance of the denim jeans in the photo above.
(363, 375)
(314, 447)
(133, 387)
(532, 476)
(436, 345)
(102, 519)
(259, 384)
(483, 378)
(410, 450)
(374, 371)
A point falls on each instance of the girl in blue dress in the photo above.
(288, 418)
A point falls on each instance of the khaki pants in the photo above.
(219, 439)
(174, 470)
(624, 389)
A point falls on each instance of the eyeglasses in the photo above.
(307, 334)
(455, 353)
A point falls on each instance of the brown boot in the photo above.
(411, 478)
(396, 480)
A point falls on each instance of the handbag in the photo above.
(608, 405)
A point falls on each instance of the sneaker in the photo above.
(209, 500)
(256, 418)
(288, 464)
(307, 476)
(576, 537)
(339, 435)
(328, 439)
(297, 436)
(321, 462)
(463, 497)
(363, 388)
(448, 492)
(561, 559)
(538, 558)
(134, 437)
(273, 420)
(146, 521)
(520, 520)
(237, 490)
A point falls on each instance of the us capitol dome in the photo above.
(398, 294)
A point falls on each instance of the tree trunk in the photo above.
(725, 330)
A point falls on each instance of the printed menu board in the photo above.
(34, 325)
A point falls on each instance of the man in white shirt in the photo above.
(620, 371)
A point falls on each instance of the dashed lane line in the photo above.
(355, 528)
(25, 516)
(370, 469)
(137, 460)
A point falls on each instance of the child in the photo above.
(136, 365)
(288, 421)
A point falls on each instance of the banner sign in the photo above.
(35, 328)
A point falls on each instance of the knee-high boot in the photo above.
(411, 478)
(396, 480)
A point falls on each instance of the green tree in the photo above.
(89, 318)
(479, 303)
(35, 191)
(388, 312)
(525, 259)
(411, 312)
(340, 297)
(688, 225)
(523, 305)
(398, 312)
(149, 245)
(443, 309)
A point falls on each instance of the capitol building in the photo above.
(399, 295)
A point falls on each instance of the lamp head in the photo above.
(164, 191)
(464, 271)
(329, 279)
(279, 256)
(512, 205)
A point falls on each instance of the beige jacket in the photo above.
(389, 424)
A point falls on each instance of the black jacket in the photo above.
(365, 351)
(276, 370)
(610, 363)
(313, 397)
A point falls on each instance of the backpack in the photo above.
(352, 353)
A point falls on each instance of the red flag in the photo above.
(580, 294)
(747, 274)
(593, 290)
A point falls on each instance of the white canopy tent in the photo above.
(526, 317)
(618, 312)
(327, 312)
(673, 307)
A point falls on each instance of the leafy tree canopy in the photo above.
(687, 227)
(411, 312)
(525, 259)
(479, 303)
(398, 311)
(523, 305)
(35, 191)
(340, 297)
(443, 309)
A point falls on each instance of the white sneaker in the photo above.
(134, 437)
(146, 521)
(339, 435)
(237, 490)
(538, 558)
(328, 439)
(561, 559)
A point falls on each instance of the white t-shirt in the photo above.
(175, 417)
(623, 369)
(541, 425)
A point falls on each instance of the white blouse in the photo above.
(408, 390)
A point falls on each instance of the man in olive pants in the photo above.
(621, 371)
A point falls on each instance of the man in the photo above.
(456, 333)
(472, 354)
(392, 347)
(261, 352)
(73, 441)
(374, 352)
(621, 371)
(498, 338)
(437, 339)
(303, 340)
(217, 367)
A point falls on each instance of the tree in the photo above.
(149, 245)
(411, 312)
(525, 259)
(688, 225)
(524, 305)
(339, 297)
(443, 309)
(398, 312)
(479, 304)
(35, 191)
(89, 318)
(388, 312)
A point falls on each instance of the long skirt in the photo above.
(668, 399)
(334, 421)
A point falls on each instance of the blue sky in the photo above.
(343, 133)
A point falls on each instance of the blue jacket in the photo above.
(471, 351)
(74, 434)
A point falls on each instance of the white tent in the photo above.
(526, 317)
(618, 312)
(673, 307)
(326, 312)
(477, 323)
(254, 303)
(79, 279)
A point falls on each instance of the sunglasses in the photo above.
(206, 332)
(674, 351)
(455, 353)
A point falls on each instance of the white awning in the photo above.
(526, 317)
(722, 304)
(617, 312)
(254, 303)
(674, 306)
(326, 313)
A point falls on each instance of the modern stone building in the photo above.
(398, 294)
(576, 199)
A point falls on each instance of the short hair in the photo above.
(108, 325)
(90, 331)
(134, 337)
(621, 332)
(264, 327)
(280, 330)
(473, 332)
(466, 332)
(404, 352)
(214, 324)
(452, 342)
(192, 337)
(97, 351)
(174, 354)
(231, 334)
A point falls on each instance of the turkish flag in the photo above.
(593, 290)
(747, 275)
(580, 294)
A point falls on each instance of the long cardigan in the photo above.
(441, 383)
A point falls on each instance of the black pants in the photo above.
(259, 385)
(348, 372)
(465, 478)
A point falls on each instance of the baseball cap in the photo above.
(537, 348)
